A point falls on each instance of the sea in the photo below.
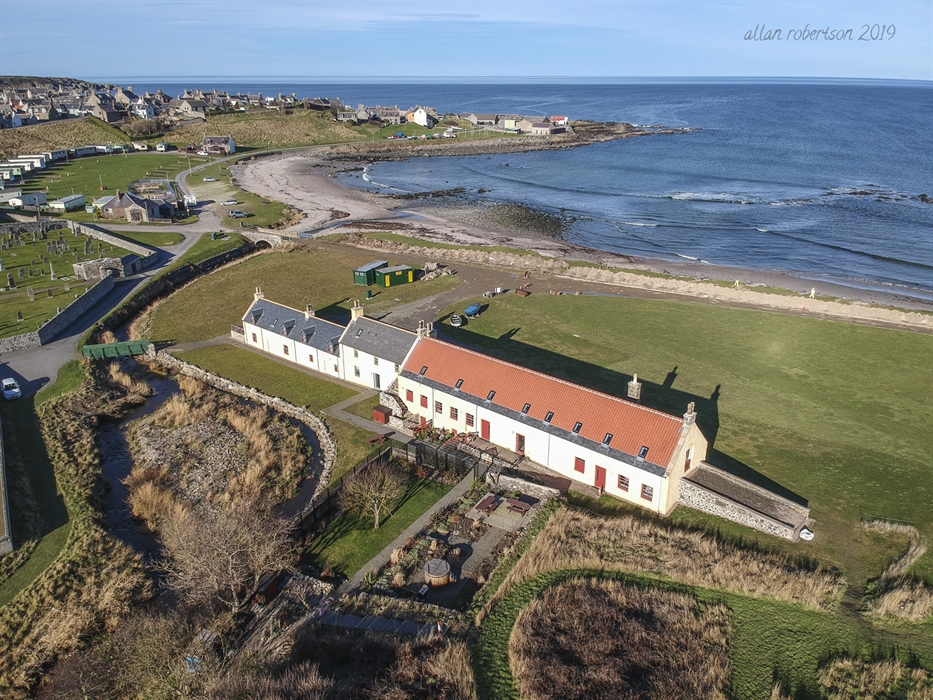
(819, 178)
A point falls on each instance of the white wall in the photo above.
(353, 360)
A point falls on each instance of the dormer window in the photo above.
(423, 370)
(549, 416)
(643, 452)
(577, 427)
(490, 395)
(607, 439)
(458, 384)
(526, 408)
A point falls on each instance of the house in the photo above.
(420, 116)
(526, 124)
(630, 451)
(162, 147)
(344, 116)
(486, 119)
(222, 145)
(9, 118)
(28, 199)
(70, 203)
(559, 120)
(541, 129)
(105, 114)
(140, 146)
(298, 336)
(189, 107)
(132, 208)
(372, 352)
(509, 122)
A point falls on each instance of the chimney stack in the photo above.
(690, 417)
(431, 333)
(309, 312)
(257, 295)
(357, 311)
(422, 330)
(634, 388)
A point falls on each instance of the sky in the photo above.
(104, 40)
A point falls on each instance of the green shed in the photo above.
(366, 274)
(394, 276)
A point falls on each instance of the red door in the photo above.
(484, 429)
(600, 478)
(519, 444)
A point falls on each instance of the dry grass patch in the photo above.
(602, 639)
(897, 594)
(576, 540)
(203, 446)
(857, 679)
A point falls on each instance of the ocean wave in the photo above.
(635, 223)
(720, 197)
(762, 230)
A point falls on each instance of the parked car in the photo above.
(237, 214)
(202, 153)
(229, 203)
(11, 389)
(210, 179)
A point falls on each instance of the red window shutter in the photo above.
(579, 465)
(409, 395)
(424, 401)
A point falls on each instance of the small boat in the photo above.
(456, 321)
(472, 311)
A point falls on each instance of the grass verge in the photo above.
(348, 543)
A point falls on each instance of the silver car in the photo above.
(11, 389)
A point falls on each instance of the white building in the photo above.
(297, 336)
(372, 352)
(29, 199)
(630, 451)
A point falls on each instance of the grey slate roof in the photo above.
(379, 339)
(519, 417)
(314, 332)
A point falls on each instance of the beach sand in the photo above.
(306, 182)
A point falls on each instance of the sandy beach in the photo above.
(306, 182)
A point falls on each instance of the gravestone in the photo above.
(9, 281)
(52, 271)
(48, 293)
(31, 293)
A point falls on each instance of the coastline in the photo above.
(307, 182)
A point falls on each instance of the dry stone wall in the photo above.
(148, 255)
(272, 239)
(328, 445)
(695, 496)
(6, 542)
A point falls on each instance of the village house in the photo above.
(625, 449)
(372, 352)
(297, 336)
(541, 129)
(420, 116)
(219, 145)
(526, 124)
(135, 209)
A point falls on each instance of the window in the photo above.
(643, 452)
(438, 407)
(647, 492)
(549, 416)
(356, 371)
(285, 350)
(336, 369)
(356, 353)
(458, 384)
(623, 483)
(689, 459)
(577, 427)
(409, 395)
(579, 465)
(469, 420)
(490, 395)
(254, 338)
(526, 408)
(311, 359)
(424, 401)
(375, 360)
(423, 370)
(396, 369)
(454, 413)
(607, 439)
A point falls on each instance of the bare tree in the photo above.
(373, 492)
(221, 556)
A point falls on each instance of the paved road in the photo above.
(37, 367)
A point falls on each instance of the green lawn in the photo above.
(34, 312)
(70, 376)
(323, 278)
(364, 409)
(261, 211)
(348, 543)
(206, 248)
(39, 560)
(158, 239)
(836, 413)
(352, 447)
(267, 375)
(97, 176)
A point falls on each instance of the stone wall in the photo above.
(328, 445)
(33, 226)
(512, 483)
(272, 239)
(148, 255)
(57, 323)
(695, 496)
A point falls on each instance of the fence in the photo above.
(443, 457)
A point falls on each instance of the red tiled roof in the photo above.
(631, 425)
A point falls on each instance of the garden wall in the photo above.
(148, 255)
(695, 496)
(6, 542)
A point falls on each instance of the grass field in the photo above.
(206, 248)
(113, 172)
(348, 543)
(67, 133)
(252, 369)
(323, 278)
(352, 447)
(263, 128)
(836, 413)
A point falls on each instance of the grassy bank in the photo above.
(323, 278)
(835, 413)
(67, 133)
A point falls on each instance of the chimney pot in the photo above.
(258, 294)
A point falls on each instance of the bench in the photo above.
(487, 505)
(376, 440)
(517, 506)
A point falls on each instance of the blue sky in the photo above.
(110, 39)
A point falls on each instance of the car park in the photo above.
(237, 214)
(229, 203)
(11, 389)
